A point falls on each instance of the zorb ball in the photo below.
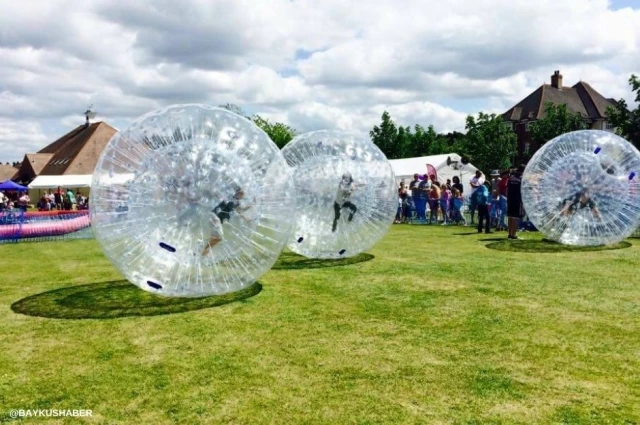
(582, 188)
(346, 196)
(192, 200)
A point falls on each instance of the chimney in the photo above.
(556, 80)
(89, 114)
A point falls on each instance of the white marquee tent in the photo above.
(405, 168)
(72, 181)
(65, 181)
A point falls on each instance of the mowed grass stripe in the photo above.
(433, 328)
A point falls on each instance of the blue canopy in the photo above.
(9, 185)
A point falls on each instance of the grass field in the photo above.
(431, 327)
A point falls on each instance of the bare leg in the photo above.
(513, 227)
(213, 241)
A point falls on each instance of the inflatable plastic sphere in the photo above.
(192, 200)
(346, 196)
(582, 188)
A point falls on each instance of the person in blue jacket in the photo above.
(482, 202)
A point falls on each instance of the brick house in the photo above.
(581, 98)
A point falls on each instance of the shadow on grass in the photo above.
(548, 246)
(466, 234)
(110, 300)
(292, 261)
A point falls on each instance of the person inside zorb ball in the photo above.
(345, 190)
(581, 188)
(192, 200)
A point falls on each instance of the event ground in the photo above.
(431, 327)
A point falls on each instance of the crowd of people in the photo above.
(498, 201)
(60, 199)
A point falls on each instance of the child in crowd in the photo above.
(457, 202)
(445, 198)
(495, 209)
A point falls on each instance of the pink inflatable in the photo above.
(44, 228)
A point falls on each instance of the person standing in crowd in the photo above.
(445, 197)
(414, 183)
(403, 194)
(423, 195)
(58, 198)
(72, 198)
(419, 198)
(457, 185)
(481, 195)
(23, 202)
(514, 202)
(3, 201)
(449, 184)
(495, 180)
(51, 199)
(414, 188)
(475, 182)
(502, 189)
(434, 202)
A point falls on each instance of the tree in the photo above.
(385, 137)
(557, 120)
(452, 142)
(625, 121)
(280, 133)
(425, 142)
(488, 144)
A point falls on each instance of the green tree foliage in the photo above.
(627, 122)
(426, 142)
(280, 133)
(404, 142)
(557, 120)
(385, 136)
(489, 144)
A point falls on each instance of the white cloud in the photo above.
(19, 136)
(329, 64)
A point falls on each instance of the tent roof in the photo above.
(410, 166)
(10, 185)
(405, 168)
(65, 181)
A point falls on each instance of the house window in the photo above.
(509, 125)
(527, 126)
(608, 126)
(527, 146)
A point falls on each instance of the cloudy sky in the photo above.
(313, 64)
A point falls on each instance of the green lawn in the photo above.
(431, 327)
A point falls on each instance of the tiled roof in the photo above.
(581, 98)
(78, 151)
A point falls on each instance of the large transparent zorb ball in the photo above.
(192, 200)
(582, 188)
(346, 196)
